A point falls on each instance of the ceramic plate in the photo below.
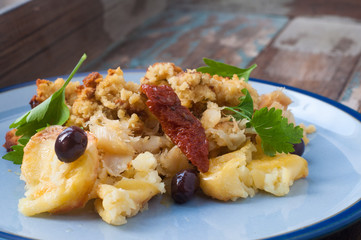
(327, 200)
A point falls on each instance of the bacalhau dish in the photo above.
(178, 132)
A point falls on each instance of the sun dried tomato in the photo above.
(184, 129)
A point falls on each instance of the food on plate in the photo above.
(52, 185)
(122, 143)
(178, 123)
(127, 196)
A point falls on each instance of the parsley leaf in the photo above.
(225, 70)
(276, 133)
(53, 111)
(16, 156)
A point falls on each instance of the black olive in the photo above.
(299, 148)
(184, 184)
(71, 144)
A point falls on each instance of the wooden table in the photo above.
(311, 44)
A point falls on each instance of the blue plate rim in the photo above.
(323, 228)
(340, 220)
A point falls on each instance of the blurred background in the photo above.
(311, 44)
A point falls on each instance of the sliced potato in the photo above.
(228, 178)
(129, 195)
(51, 185)
(276, 174)
(234, 175)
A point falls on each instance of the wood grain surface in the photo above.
(317, 50)
(46, 38)
(184, 37)
(306, 44)
(342, 8)
(351, 95)
(313, 54)
(31, 33)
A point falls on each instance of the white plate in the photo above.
(327, 200)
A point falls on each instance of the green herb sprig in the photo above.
(53, 111)
(225, 70)
(276, 133)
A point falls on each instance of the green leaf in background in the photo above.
(224, 70)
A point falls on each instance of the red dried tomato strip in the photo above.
(184, 129)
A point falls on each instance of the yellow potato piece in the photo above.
(51, 185)
(228, 178)
(235, 175)
(129, 195)
(276, 174)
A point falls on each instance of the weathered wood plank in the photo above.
(316, 54)
(279, 7)
(62, 56)
(30, 17)
(343, 8)
(185, 37)
(291, 8)
(25, 45)
(52, 46)
(121, 17)
(351, 95)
